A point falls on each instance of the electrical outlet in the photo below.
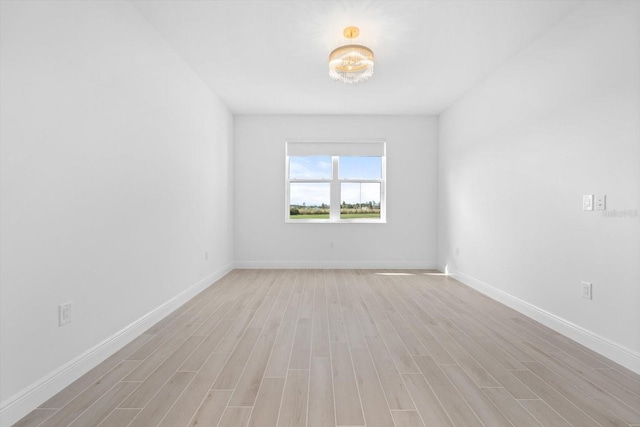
(586, 290)
(601, 202)
(65, 315)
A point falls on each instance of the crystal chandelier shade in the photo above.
(351, 63)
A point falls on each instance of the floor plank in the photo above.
(301, 353)
(93, 393)
(105, 405)
(321, 411)
(120, 417)
(428, 404)
(510, 407)
(455, 405)
(481, 405)
(399, 353)
(320, 330)
(394, 389)
(207, 346)
(188, 403)
(235, 416)
(604, 415)
(374, 402)
(158, 406)
(293, 408)
(555, 400)
(267, 404)
(348, 407)
(231, 372)
(407, 419)
(211, 409)
(247, 387)
(544, 414)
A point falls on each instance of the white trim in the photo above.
(23, 402)
(364, 265)
(625, 356)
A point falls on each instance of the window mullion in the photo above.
(335, 191)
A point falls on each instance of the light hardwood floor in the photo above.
(347, 348)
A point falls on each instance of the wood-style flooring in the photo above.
(347, 348)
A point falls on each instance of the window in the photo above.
(335, 182)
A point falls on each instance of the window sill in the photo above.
(343, 221)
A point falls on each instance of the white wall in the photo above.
(408, 239)
(560, 120)
(116, 178)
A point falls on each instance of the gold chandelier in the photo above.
(351, 63)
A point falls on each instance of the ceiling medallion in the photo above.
(351, 63)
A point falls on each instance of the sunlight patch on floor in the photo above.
(395, 274)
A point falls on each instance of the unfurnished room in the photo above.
(319, 213)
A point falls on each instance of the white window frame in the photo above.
(331, 148)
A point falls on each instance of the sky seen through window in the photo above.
(319, 167)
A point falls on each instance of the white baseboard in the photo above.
(23, 402)
(364, 265)
(626, 357)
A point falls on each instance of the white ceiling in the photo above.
(270, 57)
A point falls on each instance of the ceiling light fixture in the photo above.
(351, 63)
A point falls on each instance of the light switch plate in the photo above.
(587, 202)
